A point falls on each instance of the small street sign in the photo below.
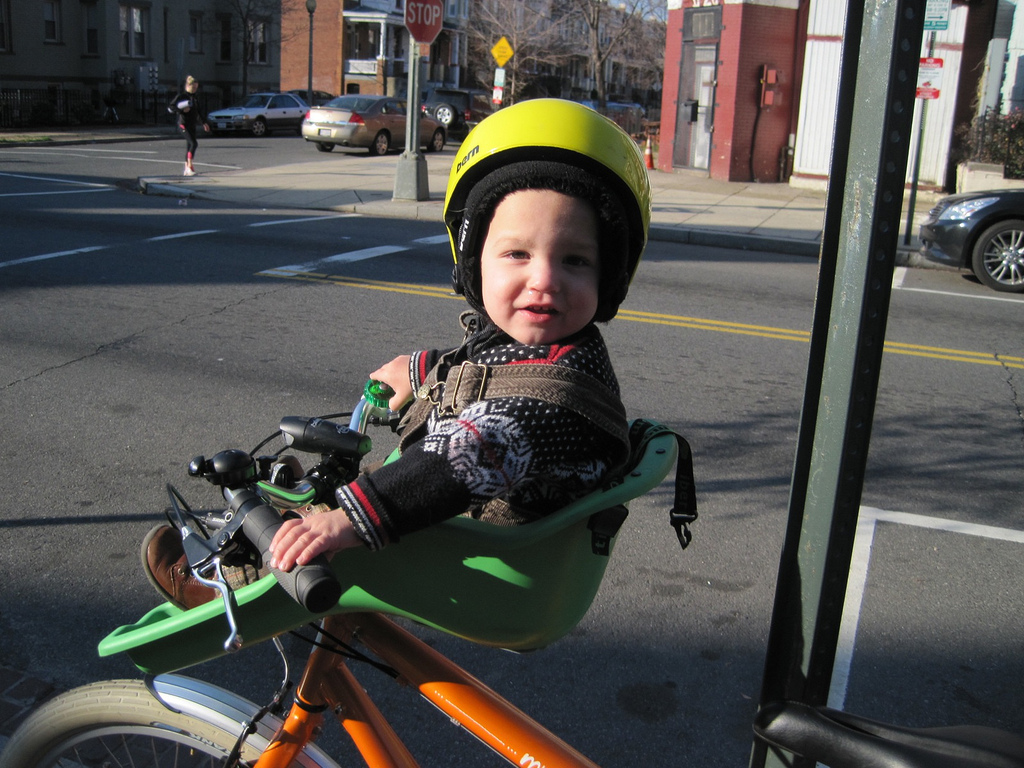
(502, 51)
(936, 15)
(929, 78)
(423, 19)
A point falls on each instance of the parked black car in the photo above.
(457, 109)
(980, 231)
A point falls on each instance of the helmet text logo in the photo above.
(475, 150)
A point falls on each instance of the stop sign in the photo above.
(423, 19)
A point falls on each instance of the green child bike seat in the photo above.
(519, 588)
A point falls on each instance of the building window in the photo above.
(258, 32)
(134, 29)
(195, 33)
(51, 21)
(224, 51)
(92, 29)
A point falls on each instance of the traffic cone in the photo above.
(648, 154)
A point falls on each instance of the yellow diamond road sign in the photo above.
(502, 51)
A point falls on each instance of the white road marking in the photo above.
(984, 297)
(55, 255)
(868, 519)
(365, 253)
(176, 235)
(56, 181)
(57, 192)
(303, 220)
(432, 240)
(135, 159)
(899, 274)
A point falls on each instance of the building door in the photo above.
(696, 98)
(704, 87)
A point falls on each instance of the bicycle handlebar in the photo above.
(314, 586)
(248, 485)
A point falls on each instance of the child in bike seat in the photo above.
(547, 211)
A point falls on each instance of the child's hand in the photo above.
(299, 541)
(396, 375)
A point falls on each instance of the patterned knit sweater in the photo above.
(531, 454)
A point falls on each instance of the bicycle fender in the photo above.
(228, 711)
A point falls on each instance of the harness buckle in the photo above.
(467, 374)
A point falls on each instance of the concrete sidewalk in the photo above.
(688, 207)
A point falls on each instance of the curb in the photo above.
(742, 242)
(57, 141)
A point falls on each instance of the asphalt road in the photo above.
(138, 333)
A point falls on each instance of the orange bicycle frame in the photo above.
(327, 683)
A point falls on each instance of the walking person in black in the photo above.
(189, 115)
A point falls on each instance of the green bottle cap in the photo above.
(377, 393)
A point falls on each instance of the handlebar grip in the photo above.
(314, 586)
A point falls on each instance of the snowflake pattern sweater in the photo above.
(534, 455)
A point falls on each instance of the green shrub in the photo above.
(998, 139)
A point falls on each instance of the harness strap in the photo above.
(684, 507)
(471, 382)
(577, 391)
(566, 387)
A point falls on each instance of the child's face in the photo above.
(539, 266)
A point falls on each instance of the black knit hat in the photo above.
(568, 179)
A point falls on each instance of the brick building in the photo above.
(751, 87)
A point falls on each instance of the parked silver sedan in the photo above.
(260, 113)
(374, 122)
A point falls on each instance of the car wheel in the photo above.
(259, 128)
(381, 144)
(444, 114)
(998, 257)
(323, 146)
(436, 143)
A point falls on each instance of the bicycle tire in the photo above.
(118, 723)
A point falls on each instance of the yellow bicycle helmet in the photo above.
(551, 144)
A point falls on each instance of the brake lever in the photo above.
(203, 554)
(234, 639)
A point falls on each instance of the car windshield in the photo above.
(256, 100)
(352, 103)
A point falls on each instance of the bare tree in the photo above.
(617, 32)
(539, 50)
(254, 28)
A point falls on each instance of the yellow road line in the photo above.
(678, 321)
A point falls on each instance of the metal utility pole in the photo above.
(881, 52)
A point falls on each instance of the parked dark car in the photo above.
(980, 231)
(319, 97)
(374, 122)
(457, 109)
(261, 113)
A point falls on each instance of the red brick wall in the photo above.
(752, 35)
(748, 138)
(670, 89)
(327, 46)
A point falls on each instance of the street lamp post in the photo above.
(311, 7)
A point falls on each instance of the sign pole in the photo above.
(924, 96)
(423, 20)
(411, 181)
